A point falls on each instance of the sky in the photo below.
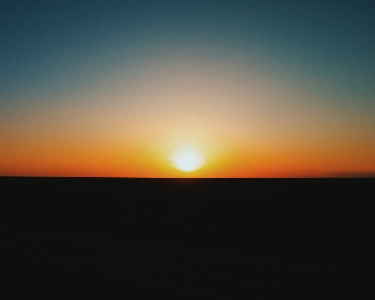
(258, 88)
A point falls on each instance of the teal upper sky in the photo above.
(55, 47)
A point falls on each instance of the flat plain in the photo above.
(75, 238)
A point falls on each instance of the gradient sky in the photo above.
(262, 88)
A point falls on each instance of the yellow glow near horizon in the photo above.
(187, 159)
(178, 118)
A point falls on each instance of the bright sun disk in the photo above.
(187, 159)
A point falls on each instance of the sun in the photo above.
(187, 159)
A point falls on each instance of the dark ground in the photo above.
(66, 238)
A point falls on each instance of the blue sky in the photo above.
(53, 46)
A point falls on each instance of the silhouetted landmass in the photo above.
(351, 175)
(75, 238)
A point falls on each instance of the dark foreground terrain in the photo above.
(66, 238)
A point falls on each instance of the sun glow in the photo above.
(187, 159)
